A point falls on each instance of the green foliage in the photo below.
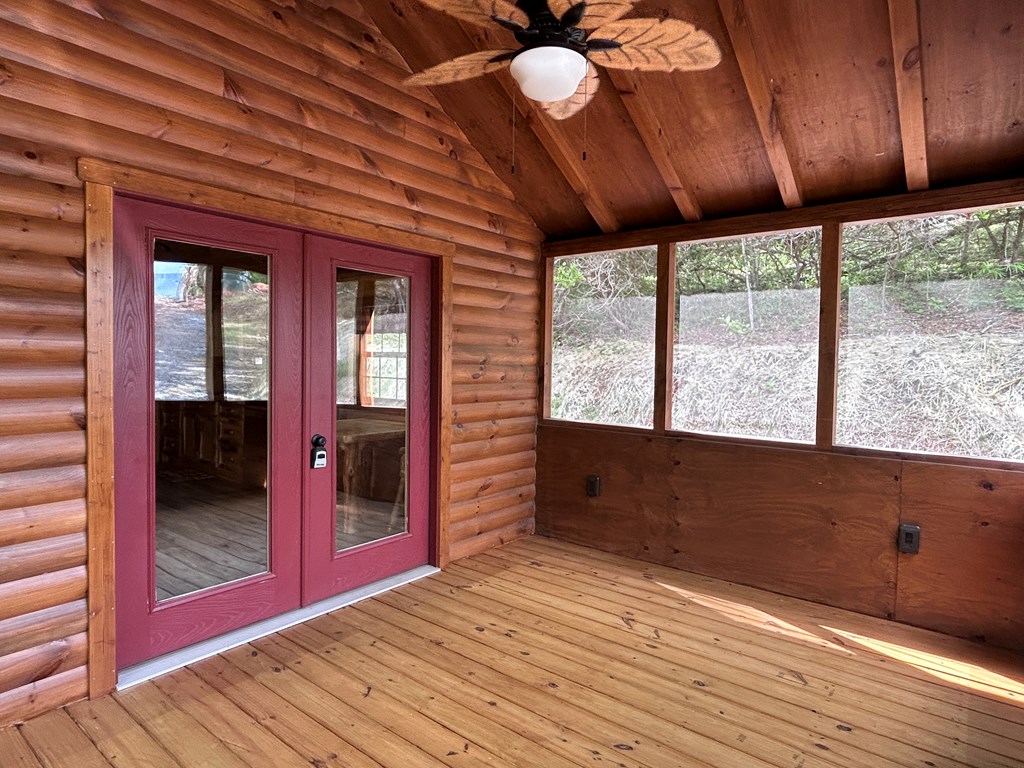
(903, 256)
(758, 263)
(738, 327)
(960, 246)
(621, 274)
(568, 274)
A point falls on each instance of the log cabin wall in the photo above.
(289, 106)
(816, 525)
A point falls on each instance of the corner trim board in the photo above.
(99, 340)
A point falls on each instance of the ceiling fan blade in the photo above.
(596, 13)
(462, 68)
(566, 108)
(483, 12)
(653, 45)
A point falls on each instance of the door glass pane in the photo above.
(372, 392)
(211, 333)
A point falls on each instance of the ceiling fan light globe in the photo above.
(549, 73)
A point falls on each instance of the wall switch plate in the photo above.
(593, 485)
(909, 541)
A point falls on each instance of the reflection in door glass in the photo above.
(211, 332)
(372, 393)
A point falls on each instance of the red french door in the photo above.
(368, 373)
(236, 343)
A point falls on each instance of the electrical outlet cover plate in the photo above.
(909, 542)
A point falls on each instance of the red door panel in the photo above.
(149, 627)
(330, 565)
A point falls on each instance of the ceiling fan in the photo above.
(561, 41)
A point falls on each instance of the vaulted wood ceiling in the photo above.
(814, 101)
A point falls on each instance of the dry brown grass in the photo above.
(954, 394)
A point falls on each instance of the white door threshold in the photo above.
(185, 656)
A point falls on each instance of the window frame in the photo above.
(830, 218)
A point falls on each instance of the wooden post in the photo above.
(445, 336)
(828, 334)
(99, 234)
(547, 328)
(214, 295)
(664, 337)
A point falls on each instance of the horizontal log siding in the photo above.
(291, 104)
(42, 442)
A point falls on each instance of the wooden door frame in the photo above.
(101, 179)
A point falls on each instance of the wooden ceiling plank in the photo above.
(759, 87)
(643, 115)
(972, 72)
(906, 46)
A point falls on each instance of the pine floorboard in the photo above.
(542, 653)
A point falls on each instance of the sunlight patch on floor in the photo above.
(963, 673)
(754, 617)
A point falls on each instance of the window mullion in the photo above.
(828, 334)
(664, 336)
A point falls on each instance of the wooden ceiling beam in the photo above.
(642, 112)
(762, 97)
(562, 154)
(964, 198)
(906, 47)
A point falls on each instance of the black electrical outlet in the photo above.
(910, 538)
(593, 485)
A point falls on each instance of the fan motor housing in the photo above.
(546, 29)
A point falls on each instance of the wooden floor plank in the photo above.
(795, 642)
(793, 687)
(501, 698)
(59, 743)
(244, 736)
(166, 723)
(584, 561)
(375, 701)
(288, 723)
(515, 679)
(739, 694)
(406, 680)
(788, 619)
(342, 717)
(683, 730)
(123, 742)
(672, 702)
(542, 653)
(15, 752)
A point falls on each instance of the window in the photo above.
(386, 360)
(602, 356)
(931, 354)
(372, 339)
(928, 315)
(745, 360)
